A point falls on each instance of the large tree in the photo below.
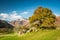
(45, 17)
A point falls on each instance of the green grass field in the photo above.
(40, 35)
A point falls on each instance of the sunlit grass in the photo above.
(40, 35)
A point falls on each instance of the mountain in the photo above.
(19, 22)
(57, 22)
(5, 26)
(25, 22)
(8, 26)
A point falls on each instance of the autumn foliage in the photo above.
(45, 17)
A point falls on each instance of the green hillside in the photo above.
(40, 35)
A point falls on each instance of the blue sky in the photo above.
(15, 9)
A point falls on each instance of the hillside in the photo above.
(40, 35)
(26, 22)
(5, 26)
(19, 22)
(57, 22)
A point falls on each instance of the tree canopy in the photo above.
(45, 17)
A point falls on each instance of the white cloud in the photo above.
(57, 14)
(13, 16)
(3, 16)
(25, 12)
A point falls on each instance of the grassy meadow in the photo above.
(40, 35)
